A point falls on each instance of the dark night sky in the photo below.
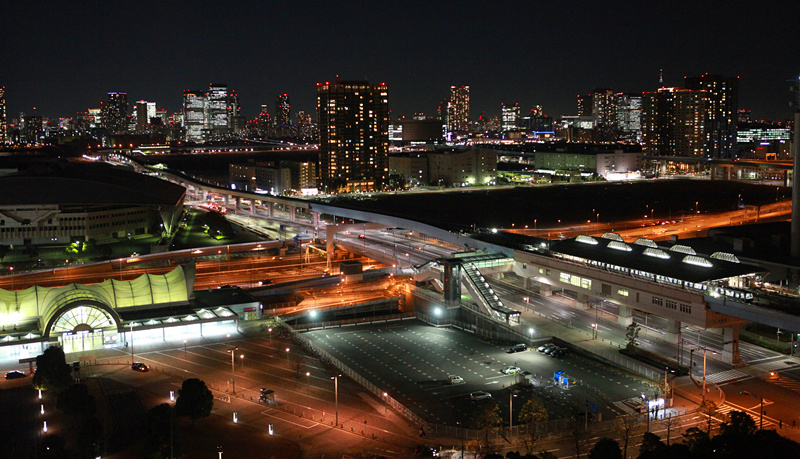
(62, 57)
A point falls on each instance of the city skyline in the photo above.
(63, 60)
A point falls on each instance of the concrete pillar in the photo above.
(252, 207)
(526, 283)
(271, 209)
(730, 341)
(237, 203)
(624, 318)
(546, 290)
(583, 301)
(227, 199)
(673, 334)
(315, 219)
(292, 212)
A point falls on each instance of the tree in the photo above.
(698, 442)
(578, 436)
(605, 448)
(741, 424)
(532, 411)
(671, 422)
(631, 335)
(4, 251)
(709, 409)
(194, 399)
(627, 426)
(650, 443)
(163, 440)
(52, 372)
(76, 401)
(488, 418)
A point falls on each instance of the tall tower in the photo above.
(144, 112)
(510, 117)
(458, 109)
(673, 122)
(353, 134)
(216, 109)
(115, 112)
(283, 112)
(721, 112)
(3, 122)
(194, 114)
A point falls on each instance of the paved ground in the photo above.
(412, 360)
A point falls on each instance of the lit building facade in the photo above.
(510, 117)
(475, 166)
(193, 114)
(115, 112)
(458, 109)
(629, 117)
(283, 110)
(145, 111)
(216, 110)
(673, 122)
(353, 119)
(3, 122)
(721, 112)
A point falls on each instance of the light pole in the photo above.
(11, 269)
(336, 396)
(241, 357)
(287, 354)
(511, 407)
(131, 343)
(596, 322)
(184, 349)
(232, 352)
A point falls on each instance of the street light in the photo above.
(184, 349)
(336, 396)
(287, 354)
(232, 352)
(511, 396)
(131, 343)
(241, 357)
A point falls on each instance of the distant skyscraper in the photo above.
(604, 112)
(144, 112)
(194, 114)
(673, 122)
(353, 119)
(236, 121)
(264, 122)
(216, 110)
(629, 116)
(510, 117)
(283, 112)
(458, 109)
(721, 112)
(3, 122)
(115, 112)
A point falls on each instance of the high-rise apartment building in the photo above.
(674, 122)
(3, 122)
(601, 106)
(510, 117)
(115, 112)
(458, 109)
(283, 112)
(145, 111)
(236, 121)
(353, 119)
(721, 112)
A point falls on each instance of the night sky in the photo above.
(63, 57)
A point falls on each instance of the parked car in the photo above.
(455, 379)
(550, 349)
(510, 370)
(266, 282)
(544, 347)
(558, 352)
(139, 366)
(480, 395)
(15, 374)
(521, 347)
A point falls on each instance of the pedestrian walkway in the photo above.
(724, 410)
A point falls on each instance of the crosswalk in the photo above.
(725, 376)
(786, 383)
(723, 411)
(782, 364)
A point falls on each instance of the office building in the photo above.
(721, 112)
(283, 110)
(216, 110)
(194, 114)
(145, 111)
(115, 112)
(353, 134)
(236, 121)
(510, 117)
(474, 166)
(674, 122)
(3, 122)
(629, 117)
(458, 109)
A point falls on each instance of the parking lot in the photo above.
(412, 362)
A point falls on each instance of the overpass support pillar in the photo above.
(252, 207)
(270, 209)
(546, 290)
(624, 318)
(673, 334)
(730, 341)
(237, 203)
(526, 283)
(227, 199)
(583, 301)
(315, 219)
(292, 213)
